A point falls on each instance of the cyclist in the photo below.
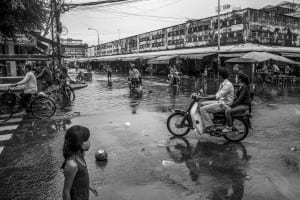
(30, 85)
(46, 78)
(63, 76)
(134, 74)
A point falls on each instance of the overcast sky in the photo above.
(141, 16)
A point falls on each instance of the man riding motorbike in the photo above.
(134, 75)
(222, 99)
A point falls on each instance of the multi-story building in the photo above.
(73, 48)
(271, 26)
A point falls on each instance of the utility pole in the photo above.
(219, 62)
(52, 33)
(58, 30)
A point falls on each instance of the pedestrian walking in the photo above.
(76, 185)
(109, 71)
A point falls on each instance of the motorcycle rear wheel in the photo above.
(173, 123)
(240, 131)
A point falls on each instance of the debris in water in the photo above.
(145, 133)
(167, 163)
(248, 178)
(162, 143)
(293, 148)
(127, 123)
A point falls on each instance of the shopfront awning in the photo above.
(130, 59)
(291, 55)
(24, 57)
(232, 55)
(161, 60)
(197, 56)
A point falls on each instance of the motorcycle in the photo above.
(181, 122)
(175, 79)
(134, 84)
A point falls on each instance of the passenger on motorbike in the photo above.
(223, 98)
(134, 75)
(240, 104)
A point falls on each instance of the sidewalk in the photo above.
(77, 86)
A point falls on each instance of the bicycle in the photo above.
(41, 106)
(62, 96)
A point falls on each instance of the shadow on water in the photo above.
(29, 167)
(227, 163)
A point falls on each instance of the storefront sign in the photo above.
(21, 40)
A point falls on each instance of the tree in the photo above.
(22, 16)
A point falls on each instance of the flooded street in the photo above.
(144, 161)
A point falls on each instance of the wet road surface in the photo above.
(144, 162)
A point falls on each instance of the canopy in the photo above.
(161, 60)
(265, 56)
(260, 57)
(240, 60)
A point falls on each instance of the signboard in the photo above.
(223, 8)
(21, 40)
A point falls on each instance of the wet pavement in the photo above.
(144, 161)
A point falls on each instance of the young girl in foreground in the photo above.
(76, 185)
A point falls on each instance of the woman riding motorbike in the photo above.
(240, 104)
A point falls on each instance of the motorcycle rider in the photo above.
(222, 99)
(134, 74)
(241, 102)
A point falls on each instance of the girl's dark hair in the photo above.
(223, 73)
(74, 138)
(244, 78)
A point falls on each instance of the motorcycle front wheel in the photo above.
(175, 125)
(239, 131)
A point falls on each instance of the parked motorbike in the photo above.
(181, 122)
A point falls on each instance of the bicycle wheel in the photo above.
(174, 124)
(239, 132)
(43, 107)
(6, 112)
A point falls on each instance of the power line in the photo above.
(103, 2)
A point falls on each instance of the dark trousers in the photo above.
(109, 75)
(25, 99)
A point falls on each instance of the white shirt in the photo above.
(29, 81)
(225, 93)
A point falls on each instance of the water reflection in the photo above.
(227, 163)
(135, 98)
